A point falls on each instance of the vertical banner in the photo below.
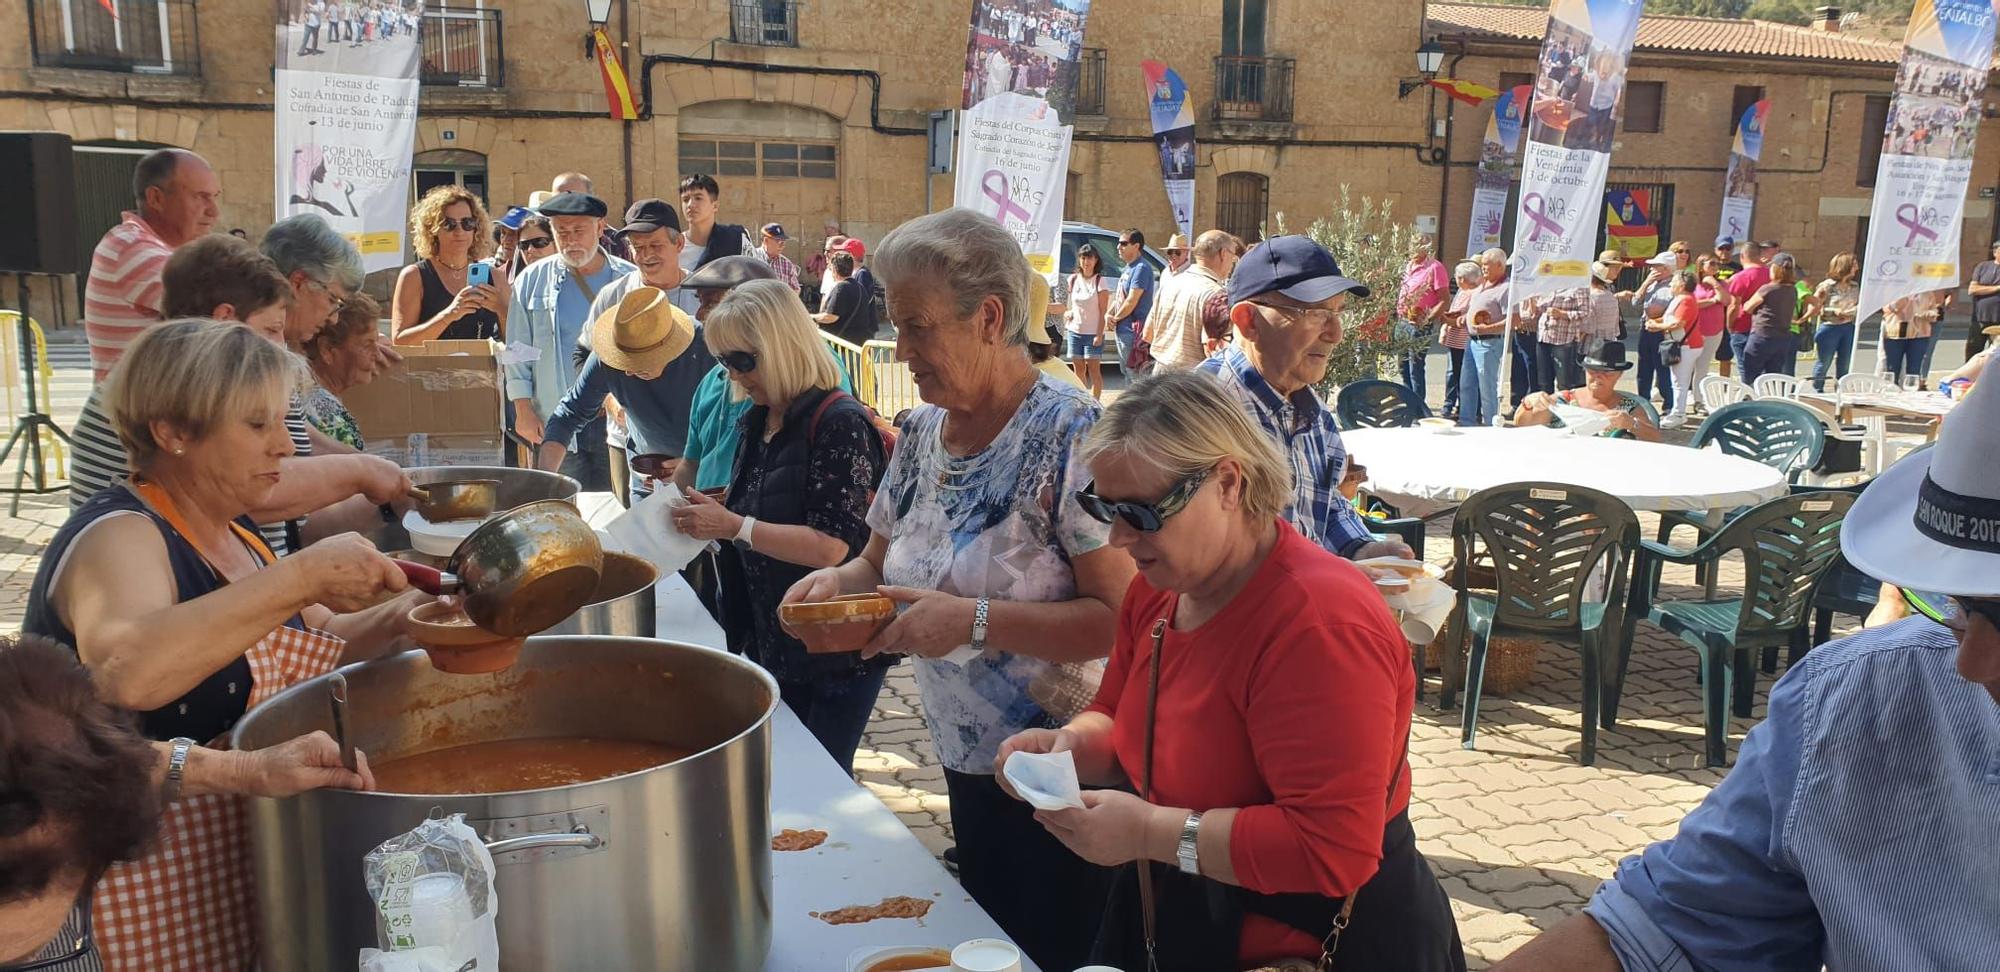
(1173, 135)
(1628, 223)
(1013, 148)
(1579, 100)
(1920, 183)
(1739, 188)
(1497, 154)
(346, 119)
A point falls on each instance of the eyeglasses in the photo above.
(339, 303)
(741, 362)
(79, 945)
(467, 224)
(1309, 316)
(537, 243)
(1143, 517)
(1953, 612)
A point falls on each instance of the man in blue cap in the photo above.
(1285, 299)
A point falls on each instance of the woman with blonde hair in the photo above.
(434, 299)
(1242, 650)
(798, 502)
(1832, 306)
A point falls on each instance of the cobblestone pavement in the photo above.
(1518, 832)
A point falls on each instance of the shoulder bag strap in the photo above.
(1146, 905)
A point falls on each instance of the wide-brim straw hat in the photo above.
(642, 333)
(1931, 522)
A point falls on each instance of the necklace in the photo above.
(457, 269)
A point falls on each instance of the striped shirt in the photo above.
(98, 459)
(123, 295)
(1855, 832)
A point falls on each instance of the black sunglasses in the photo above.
(537, 243)
(1128, 242)
(741, 362)
(1143, 517)
(467, 224)
(1953, 612)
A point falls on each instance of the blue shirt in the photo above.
(1305, 432)
(1860, 828)
(656, 411)
(1137, 276)
(548, 311)
(715, 426)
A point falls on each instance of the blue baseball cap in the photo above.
(1294, 266)
(515, 217)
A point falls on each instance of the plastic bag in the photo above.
(434, 901)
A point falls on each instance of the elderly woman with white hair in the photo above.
(1253, 725)
(798, 501)
(1002, 577)
(183, 615)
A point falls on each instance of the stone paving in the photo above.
(1517, 831)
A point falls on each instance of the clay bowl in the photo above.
(456, 645)
(842, 624)
(650, 464)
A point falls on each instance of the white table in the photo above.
(1424, 470)
(868, 855)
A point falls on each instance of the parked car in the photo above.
(1076, 234)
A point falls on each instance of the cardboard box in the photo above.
(440, 407)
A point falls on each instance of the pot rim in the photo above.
(762, 721)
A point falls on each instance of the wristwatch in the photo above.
(979, 610)
(743, 532)
(176, 768)
(1185, 853)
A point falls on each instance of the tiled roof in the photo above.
(1679, 35)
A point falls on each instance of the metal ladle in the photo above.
(337, 694)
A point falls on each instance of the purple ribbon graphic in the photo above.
(1907, 216)
(1735, 226)
(994, 184)
(1536, 209)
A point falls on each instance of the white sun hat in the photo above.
(1931, 522)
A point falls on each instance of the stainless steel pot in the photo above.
(622, 603)
(517, 486)
(668, 868)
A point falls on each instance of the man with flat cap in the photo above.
(550, 308)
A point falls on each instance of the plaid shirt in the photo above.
(1564, 315)
(1306, 434)
(782, 266)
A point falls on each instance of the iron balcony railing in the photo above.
(128, 36)
(1253, 88)
(463, 48)
(766, 23)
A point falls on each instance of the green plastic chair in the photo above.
(1376, 404)
(1544, 541)
(1784, 435)
(1788, 545)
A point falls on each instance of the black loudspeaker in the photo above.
(36, 170)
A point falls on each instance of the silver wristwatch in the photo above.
(1186, 854)
(980, 608)
(176, 768)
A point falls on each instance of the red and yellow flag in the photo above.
(1470, 92)
(617, 90)
(110, 7)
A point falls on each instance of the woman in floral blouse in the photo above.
(342, 356)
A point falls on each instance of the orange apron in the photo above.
(190, 905)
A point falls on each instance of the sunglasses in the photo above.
(1143, 517)
(741, 362)
(1128, 242)
(537, 243)
(1953, 612)
(467, 224)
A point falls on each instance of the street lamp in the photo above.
(600, 14)
(1430, 58)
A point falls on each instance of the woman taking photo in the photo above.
(1085, 317)
(182, 615)
(434, 300)
(976, 532)
(1258, 701)
(798, 502)
(1833, 305)
(1771, 310)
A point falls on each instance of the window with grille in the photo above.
(777, 160)
(1242, 200)
(1509, 80)
(1746, 95)
(1644, 105)
(1874, 121)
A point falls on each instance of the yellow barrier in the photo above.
(879, 379)
(10, 370)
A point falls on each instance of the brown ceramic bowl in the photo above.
(649, 464)
(842, 624)
(456, 645)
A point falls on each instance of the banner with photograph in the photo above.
(1739, 188)
(1173, 135)
(1579, 101)
(1013, 165)
(1497, 155)
(1028, 47)
(346, 118)
(1927, 143)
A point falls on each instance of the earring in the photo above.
(179, 451)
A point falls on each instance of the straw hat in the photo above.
(1931, 522)
(1176, 242)
(642, 333)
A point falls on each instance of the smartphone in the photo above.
(478, 274)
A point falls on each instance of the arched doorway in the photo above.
(1242, 200)
(775, 163)
(449, 167)
(104, 189)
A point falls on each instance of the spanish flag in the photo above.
(1470, 92)
(617, 90)
(110, 7)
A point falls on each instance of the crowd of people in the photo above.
(1194, 533)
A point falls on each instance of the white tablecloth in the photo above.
(1424, 470)
(868, 855)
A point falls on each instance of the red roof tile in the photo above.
(1681, 35)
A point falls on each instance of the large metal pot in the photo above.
(517, 486)
(622, 603)
(668, 868)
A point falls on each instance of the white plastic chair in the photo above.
(1860, 384)
(1882, 452)
(1775, 386)
(1718, 390)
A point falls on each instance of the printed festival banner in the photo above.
(1497, 154)
(1628, 223)
(346, 107)
(1739, 188)
(1173, 135)
(1920, 183)
(1579, 100)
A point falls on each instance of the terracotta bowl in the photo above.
(455, 644)
(649, 464)
(842, 624)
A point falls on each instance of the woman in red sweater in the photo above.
(1276, 802)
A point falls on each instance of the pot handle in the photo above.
(581, 838)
